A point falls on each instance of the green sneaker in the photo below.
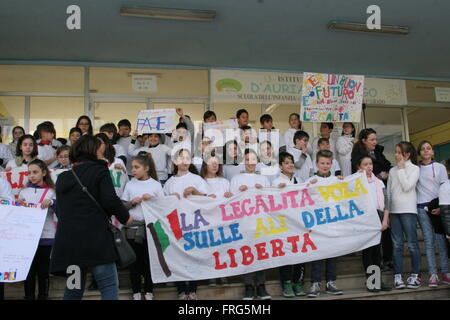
(298, 290)
(287, 290)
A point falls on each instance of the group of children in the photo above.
(164, 165)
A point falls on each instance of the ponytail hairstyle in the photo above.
(47, 177)
(110, 152)
(407, 147)
(192, 168)
(146, 160)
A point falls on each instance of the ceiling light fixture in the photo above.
(362, 27)
(167, 13)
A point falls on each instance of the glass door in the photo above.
(388, 123)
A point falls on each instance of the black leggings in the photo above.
(40, 267)
(371, 256)
(140, 268)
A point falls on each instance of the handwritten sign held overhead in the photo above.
(156, 121)
(331, 97)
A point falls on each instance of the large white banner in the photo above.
(20, 230)
(202, 238)
(255, 87)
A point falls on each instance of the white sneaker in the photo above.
(192, 296)
(183, 296)
(137, 296)
(398, 282)
(148, 296)
(414, 281)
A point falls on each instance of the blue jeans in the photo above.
(107, 281)
(316, 270)
(431, 238)
(404, 224)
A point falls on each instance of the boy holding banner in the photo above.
(324, 160)
(291, 275)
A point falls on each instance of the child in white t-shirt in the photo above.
(159, 151)
(324, 160)
(291, 275)
(40, 190)
(324, 144)
(302, 160)
(377, 192)
(212, 172)
(219, 188)
(183, 183)
(295, 125)
(233, 164)
(432, 175)
(241, 183)
(144, 186)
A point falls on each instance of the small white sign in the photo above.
(442, 94)
(144, 83)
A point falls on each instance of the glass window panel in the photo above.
(62, 111)
(11, 115)
(388, 124)
(26, 78)
(119, 81)
(106, 112)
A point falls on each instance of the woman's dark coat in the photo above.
(82, 237)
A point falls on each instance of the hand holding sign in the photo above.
(155, 121)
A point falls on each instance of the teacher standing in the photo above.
(83, 238)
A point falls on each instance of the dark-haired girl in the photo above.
(17, 132)
(26, 151)
(432, 175)
(40, 189)
(144, 186)
(183, 183)
(295, 125)
(84, 123)
(402, 206)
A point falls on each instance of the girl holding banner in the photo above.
(40, 189)
(144, 186)
(185, 182)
